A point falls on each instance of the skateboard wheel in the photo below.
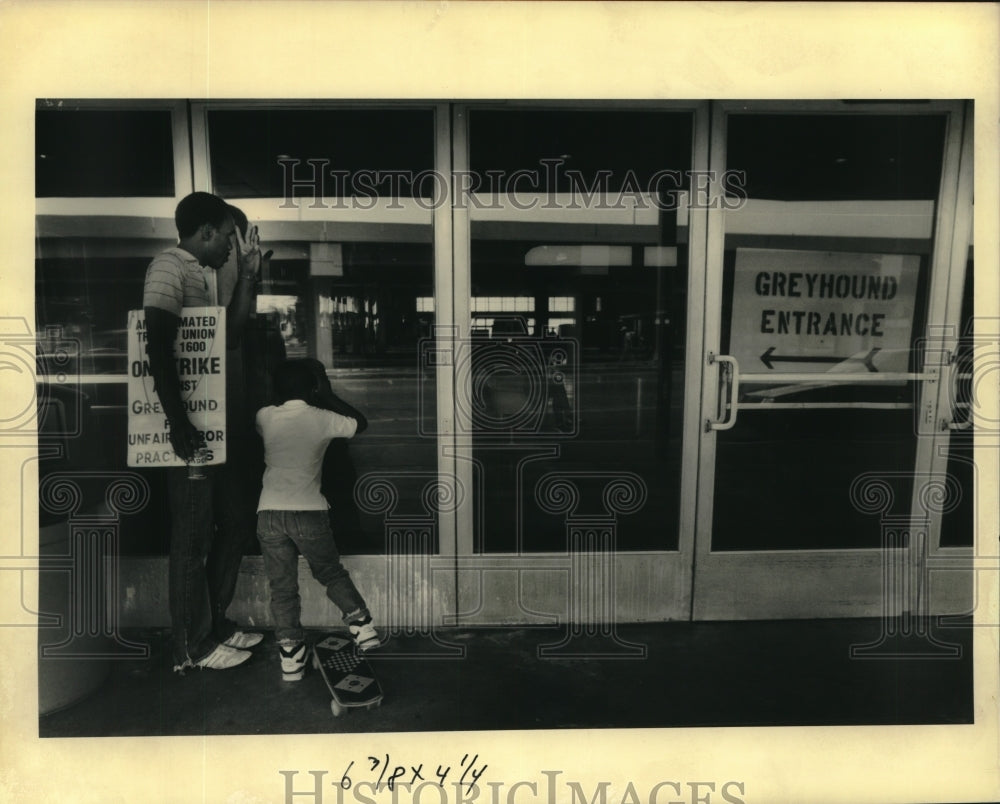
(337, 709)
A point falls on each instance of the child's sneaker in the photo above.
(364, 633)
(293, 660)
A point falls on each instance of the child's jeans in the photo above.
(285, 534)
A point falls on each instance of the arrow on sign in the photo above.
(769, 359)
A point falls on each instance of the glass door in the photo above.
(577, 248)
(360, 280)
(830, 266)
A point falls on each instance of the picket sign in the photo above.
(200, 355)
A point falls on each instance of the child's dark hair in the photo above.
(239, 219)
(296, 379)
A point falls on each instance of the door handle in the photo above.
(732, 370)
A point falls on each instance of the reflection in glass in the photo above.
(577, 324)
(816, 184)
(365, 319)
(255, 153)
(129, 152)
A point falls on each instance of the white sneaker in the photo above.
(365, 635)
(293, 660)
(241, 640)
(223, 657)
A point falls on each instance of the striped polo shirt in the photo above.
(176, 279)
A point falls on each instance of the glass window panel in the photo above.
(566, 149)
(784, 476)
(837, 157)
(364, 324)
(103, 153)
(84, 289)
(371, 319)
(591, 385)
(88, 298)
(258, 153)
(369, 327)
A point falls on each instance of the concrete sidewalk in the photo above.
(664, 675)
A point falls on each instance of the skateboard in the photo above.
(347, 674)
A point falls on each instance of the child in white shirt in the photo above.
(292, 516)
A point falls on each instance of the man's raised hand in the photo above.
(248, 251)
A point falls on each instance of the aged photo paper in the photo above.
(204, 49)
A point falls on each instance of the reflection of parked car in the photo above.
(78, 352)
(91, 361)
(104, 361)
(519, 383)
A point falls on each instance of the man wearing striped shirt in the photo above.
(205, 545)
